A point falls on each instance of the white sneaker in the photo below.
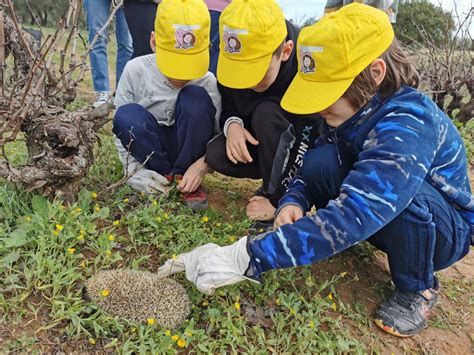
(103, 97)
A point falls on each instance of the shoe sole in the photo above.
(197, 206)
(391, 330)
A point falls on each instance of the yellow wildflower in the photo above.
(97, 208)
(277, 301)
(181, 343)
(94, 195)
(334, 307)
(330, 296)
(59, 227)
(175, 337)
(126, 200)
(56, 233)
(77, 210)
(116, 223)
(174, 257)
(71, 250)
(80, 237)
(311, 324)
(82, 232)
(108, 252)
(158, 219)
(111, 237)
(205, 219)
(28, 218)
(92, 341)
(105, 293)
(150, 321)
(232, 238)
(166, 216)
(167, 333)
(237, 305)
(154, 203)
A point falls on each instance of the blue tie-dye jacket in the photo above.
(399, 143)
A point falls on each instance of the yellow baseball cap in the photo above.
(250, 31)
(182, 30)
(332, 52)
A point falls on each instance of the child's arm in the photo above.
(397, 155)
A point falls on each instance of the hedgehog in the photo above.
(139, 296)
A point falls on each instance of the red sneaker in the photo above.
(196, 200)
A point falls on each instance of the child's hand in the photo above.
(236, 144)
(193, 177)
(288, 215)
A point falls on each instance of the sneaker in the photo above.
(406, 313)
(196, 200)
(103, 97)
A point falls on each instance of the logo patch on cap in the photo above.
(307, 61)
(185, 37)
(232, 43)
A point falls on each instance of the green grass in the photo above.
(48, 250)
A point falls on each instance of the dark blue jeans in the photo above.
(97, 13)
(214, 37)
(173, 149)
(429, 235)
(141, 23)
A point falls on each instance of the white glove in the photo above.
(211, 266)
(141, 179)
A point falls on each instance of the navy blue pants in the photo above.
(214, 38)
(140, 18)
(173, 148)
(427, 236)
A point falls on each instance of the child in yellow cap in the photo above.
(257, 62)
(169, 105)
(389, 6)
(389, 168)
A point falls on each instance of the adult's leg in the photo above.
(284, 138)
(216, 158)
(429, 235)
(97, 13)
(214, 48)
(124, 43)
(139, 132)
(195, 117)
(141, 21)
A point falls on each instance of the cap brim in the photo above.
(238, 74)
(182, 66)
(304, 97)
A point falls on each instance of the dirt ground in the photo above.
(367, 283)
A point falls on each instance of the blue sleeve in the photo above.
(396, 156)
(296, 194)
